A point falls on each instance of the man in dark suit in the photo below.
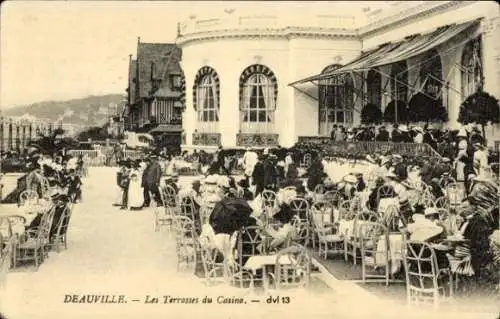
(396, 135)
(383, 135)
(429, 137)
(258, 176)
(400, 169)
(151, 181)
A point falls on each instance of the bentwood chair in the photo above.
(33, 247)
(326, 230)
(292, 268)
(7, 246)
(374, 251)
(268, 203)
(352, 244)
(385, 192)
(185, 241)
(61, 235)
(425, 282)
(165, 213)
(28, 198)
(306, 161)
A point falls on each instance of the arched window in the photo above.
(399, 80)
(258, 97)
(336, 100)
(472, 71)
(431, 73)
(374, 87)
(206, 98)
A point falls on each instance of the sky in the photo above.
(63, 50)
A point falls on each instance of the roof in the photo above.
(132, 74)
(155, 61)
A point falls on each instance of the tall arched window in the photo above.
(206, 99)
(336, 100)
(431, 73)
(258, 97)
(374, 88)
(399, 80)
(472, 71)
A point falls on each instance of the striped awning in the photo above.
(402, 50)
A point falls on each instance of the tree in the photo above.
(371, 114)
(97, 133)
(54, 142)
(480, 108)
(402, 114)
(423, 108)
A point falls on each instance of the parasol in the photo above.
(229, 215)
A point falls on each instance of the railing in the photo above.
(257, 140)
(365, 148)
(213, 139)
(98, 158)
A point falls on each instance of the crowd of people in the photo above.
(57, 171)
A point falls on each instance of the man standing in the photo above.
(250, 159)
(383, 135)
(123, 181)
(258, 176)
(151, 181)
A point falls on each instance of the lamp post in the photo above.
(395, 102)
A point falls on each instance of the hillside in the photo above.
(88, 111)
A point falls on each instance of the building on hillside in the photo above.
(156, 93)
(258, 79)
(17, 132)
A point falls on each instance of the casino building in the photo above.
(268, 78)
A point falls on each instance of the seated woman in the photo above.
(373, 198)
(247, 194)
(283, 234)
(436, 189)
(360, 183)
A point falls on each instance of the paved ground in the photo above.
(117, 253)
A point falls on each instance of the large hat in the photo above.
(430, 211)
(391, 174)
(462, 132)
(403, 128)
(211, 180)
(223, 181)
(418, 129)
(351, 179)
(425, 233)
(397, 157)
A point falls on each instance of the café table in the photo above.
(24, 215)
(257, 262)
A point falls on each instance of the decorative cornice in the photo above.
(280, 33)
(402, 18)
(408, 16)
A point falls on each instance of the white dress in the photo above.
(135, 194)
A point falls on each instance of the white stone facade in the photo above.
(292, 51)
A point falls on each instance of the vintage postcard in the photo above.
(249, 159)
